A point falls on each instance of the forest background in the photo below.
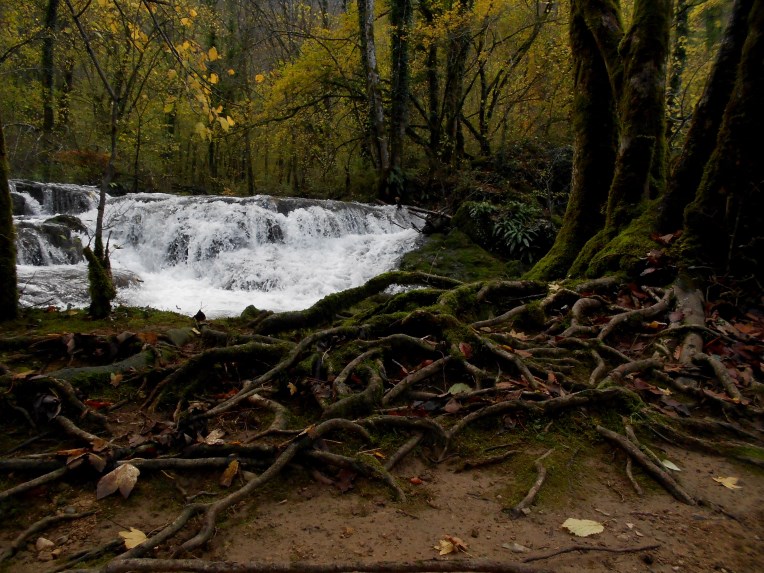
(309, 98)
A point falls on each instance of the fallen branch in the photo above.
(31, 484)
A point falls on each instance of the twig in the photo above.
(404, 450)
(31, 484)
(634, 483)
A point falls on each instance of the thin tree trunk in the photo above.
(456, 60)
(401, 16)
(48, 75)
(379, 150)
(9, 298)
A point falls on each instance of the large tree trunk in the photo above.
(723, 223)
(706, 120)
(595, 134)
(9, 298)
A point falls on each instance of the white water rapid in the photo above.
(219, 254)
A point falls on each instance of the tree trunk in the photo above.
(595, 139)
(401, 16)
(723, 223)
(678, 64)
(378, 141)
(453, 97)
(9, 297)
(48, 75)
(706, 120)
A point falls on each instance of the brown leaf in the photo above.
(452, 406)
(230, 472)
(97, 462)
(99, 444)
(123, 479)
(466, 349)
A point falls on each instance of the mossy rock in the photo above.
(455, 255)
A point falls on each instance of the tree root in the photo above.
(651, 468)
(413, 378)
(557, 552)
(521, 508)
(37, 527)
(31, 484)
(431, 566)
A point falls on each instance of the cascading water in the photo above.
(219, 254)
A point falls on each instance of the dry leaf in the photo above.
(214, 438)
(450, 544)
(671, 465)
(459, 388)
(133, 538)
(98, 463)
(230, 472)
(728, 482)
(115, 379)
(583, 527)
(123, 479)
(292, 389)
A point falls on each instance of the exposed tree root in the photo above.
(37, 527)
(587, 548)
(408, 375)
(520, 509)
(432, 566)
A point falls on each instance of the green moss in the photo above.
(455, 255)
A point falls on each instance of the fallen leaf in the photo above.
(214, 438)
(459, 388)
(728, 482)
(292, 389)
(671, 465)
(98, 463)
(450, 544)
(583, 527)
(230, 472)
(416, 480)
(452, 406)
(466, 349)
(133, 538)
(116, 378)
(123, 479)
(98, 404)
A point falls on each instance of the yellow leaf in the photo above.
(728, 482)
(292, 389)
(223, 123)
(193, 13)
(230, 472)
(212, 54)
(230, 121)
(214, 78)
(186, 22)
(583, 527)
(259, 78)
(444, 547)
(231, 72)
(168, 107)
(133, 538)
(116, 378)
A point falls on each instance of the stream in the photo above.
(214, 253)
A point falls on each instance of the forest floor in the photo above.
(444, 445)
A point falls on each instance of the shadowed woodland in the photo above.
(642, 325)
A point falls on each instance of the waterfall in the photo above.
(219, 254)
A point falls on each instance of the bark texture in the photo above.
(8, 293)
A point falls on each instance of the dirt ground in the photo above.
(299, 519)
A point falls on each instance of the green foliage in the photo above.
(516, 229)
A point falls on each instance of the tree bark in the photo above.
(378, 141)
(48, 75)
(723, 223)
(9, 298)
(595, 130)
(401, 17)
(706, 120)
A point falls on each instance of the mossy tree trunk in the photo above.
(706, 120)
(9, 298)
(723, 223)
(595, 132)
(636, 78)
